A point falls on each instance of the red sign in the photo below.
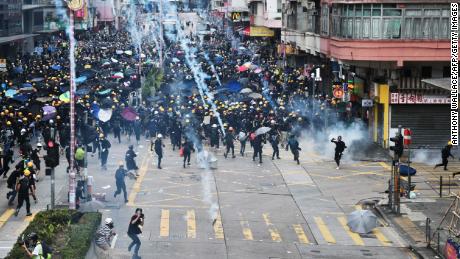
(407, 137)
(338, 93)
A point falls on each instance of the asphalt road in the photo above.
(240, 210)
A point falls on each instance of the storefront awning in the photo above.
(15, 38)
(258, 31)
(443, 83)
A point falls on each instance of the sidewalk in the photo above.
(427, 204)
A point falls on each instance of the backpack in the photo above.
(46, 250)
(79, 154)
(24, 185)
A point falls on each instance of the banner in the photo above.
(257, 31)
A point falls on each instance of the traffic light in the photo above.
(52, 155)
(398, 148)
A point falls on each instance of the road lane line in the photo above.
(274, 233)
(247, 233)
(191, 224)
(385, 165)
(324, 230)
(356, 237)
(218, 229)
(5, 216)
(137, 185)
(300, 234)
(379, 235)
(164, 223)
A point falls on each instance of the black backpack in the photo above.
(24, 185)
(47, 250)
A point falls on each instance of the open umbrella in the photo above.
(246, 91)
(80, 79)
(56, 67)
(242, 68)
(175, 60)
(48, 112)
(258, 70)
(10, 93)
(44, 99)
(128, 52)
(362, 221)
(118, 75)
(104, 115)
(37, 79)
(129, 114)
(119, 52)
(104, 92)
(255, 96)
(107, 63)
(262, 130)
(65, 97)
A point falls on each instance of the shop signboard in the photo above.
(415, 98)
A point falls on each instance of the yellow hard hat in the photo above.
(26, 172)
(8, 123)
(449, 143)
(30, 164)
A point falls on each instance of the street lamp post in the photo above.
(72, 198)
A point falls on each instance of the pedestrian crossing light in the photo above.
(398, 147)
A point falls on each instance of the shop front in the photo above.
(427, 115)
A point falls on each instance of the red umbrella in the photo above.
(129, 114)
(242, 68)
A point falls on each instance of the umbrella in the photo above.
(362, 221)
(37, 79)
(246, 91)
(80, 79)
(92, 206)
(128, 52)
(48, 112)
(10, 93)
(258, 70)
(118, 75)
(27, 89)
(104, 92)
(175, 60)
(119, 52)
(65, 97)
(262, 130)
(242, 68)
(255, 95)
(114, 60)
(107, 63)
(56, 67)
(247, 64)
(244, 80)
(44, 99)
(233, 86)
(129, 114)
(26, 85)
(104, 115)
(21, 98)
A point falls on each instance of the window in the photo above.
(38, 18)
(376, 28)
(426, 72)
(446, 71)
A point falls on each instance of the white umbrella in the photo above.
(242, 136)
(246, 91)
(262, 130)
(114, 60)
(119, 52)
(362, 221)
(255, 96)
(104, 115)
(128, 52)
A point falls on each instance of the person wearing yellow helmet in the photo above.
(445, 154)
(22, 188)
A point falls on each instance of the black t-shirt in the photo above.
(134, 228)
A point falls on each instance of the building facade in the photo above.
(390, 55)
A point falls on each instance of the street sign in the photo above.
(338, 93)
(367, 103)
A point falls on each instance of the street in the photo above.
(276, 210)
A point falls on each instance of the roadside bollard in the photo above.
(440, 186)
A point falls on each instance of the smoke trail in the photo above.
(136, 35)
(213, 68)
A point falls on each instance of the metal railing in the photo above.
(38, 2)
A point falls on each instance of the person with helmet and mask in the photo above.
(120, 175)
(22, 188)
(229, 138)
(105, 146)
(339, 148)
(35, 156)
(158, 146)
(104, 234)
(445, 154)
(39, 249)
(130, 160)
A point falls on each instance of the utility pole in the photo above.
(160, 52)
(85, 164)
(72, 204)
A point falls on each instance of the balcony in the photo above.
(306, 41)
(33, 4)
